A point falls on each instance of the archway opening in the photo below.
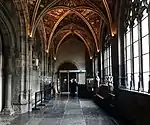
(8, 43)
(67, 66)
(66, 72)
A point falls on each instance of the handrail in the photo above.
(47, 95)
(36, 101)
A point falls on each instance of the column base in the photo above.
(22, 107)
(8, 111)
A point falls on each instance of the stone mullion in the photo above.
(149, 44)
(140, 85)
(132, 84)
(123, 62)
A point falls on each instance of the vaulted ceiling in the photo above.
(57, 19)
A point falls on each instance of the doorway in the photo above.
(66, 72)
(65, 76)
(64, 84)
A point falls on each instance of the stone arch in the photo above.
(7, 20)
(83, 19)
(80, 36)
(50, 7)
(8, 44)
(73, 10)
(69, 62)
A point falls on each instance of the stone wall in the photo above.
(134, 107)
(72, 50)
(21, 81)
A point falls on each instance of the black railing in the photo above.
(37, 94)
(41, 96)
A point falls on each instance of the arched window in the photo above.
(137, 45)
(107, 59)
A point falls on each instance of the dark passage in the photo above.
(65, 110)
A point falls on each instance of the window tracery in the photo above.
(137, 45)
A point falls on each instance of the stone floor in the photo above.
(64, 110)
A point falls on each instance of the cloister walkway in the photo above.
(65, 110)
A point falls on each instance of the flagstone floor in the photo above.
(65, 110)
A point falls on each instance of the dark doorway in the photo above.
(64, 82)
(66, 72)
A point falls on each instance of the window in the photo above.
(107, 61)
(101, 56)
(137, 47)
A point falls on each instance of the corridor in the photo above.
(65, 110)
(99, 49)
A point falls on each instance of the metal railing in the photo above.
(41, 97)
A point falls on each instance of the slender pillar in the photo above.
(30, 73)
(149, 47)
(23, 85)
(68, 80)
(42, 74)
(1, 81)
(0, 74)
(28, 76)
(115, 64)
(8, 110)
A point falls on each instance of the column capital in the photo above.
(31, 40)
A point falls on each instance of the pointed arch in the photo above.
(68, 61)
(50, 7)
(35, 12)
(79, 15)
(80, 36)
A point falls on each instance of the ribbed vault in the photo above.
(83, 18)
(73, 29)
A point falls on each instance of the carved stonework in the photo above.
(134, 11)
(51, 15)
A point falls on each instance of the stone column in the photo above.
(46, 64)
(42, 77)
(21, 101)
(0, 74)
(31, 41)
(115, 64)
(8, 110)
(23, 90)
